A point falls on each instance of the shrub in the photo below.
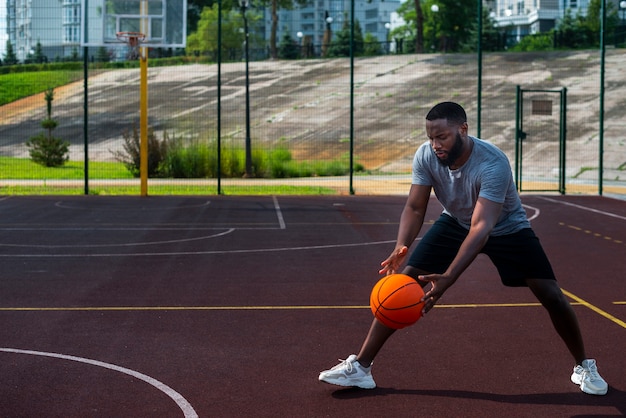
(190, 161)
(538, 42)
(131, 156)
(47, 150)
(198, 159)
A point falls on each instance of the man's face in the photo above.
(446, 141)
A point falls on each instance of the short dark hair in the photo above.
(451, 111)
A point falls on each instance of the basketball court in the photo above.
(230, 306)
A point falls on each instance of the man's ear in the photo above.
(463, 128)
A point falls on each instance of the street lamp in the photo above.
(300, 42)
(622, 7)
(328, 34)
(387, 40)
(435, 9)
(244, 4)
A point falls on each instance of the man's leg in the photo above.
(561, 313)
(356, 369)
(379, 333)
(376, 338)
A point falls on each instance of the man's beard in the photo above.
(454, 153)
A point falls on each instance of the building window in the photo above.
(371, 14)
(371, 27)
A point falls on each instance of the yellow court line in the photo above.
(178, 308)
(595, 309)
(248, 308)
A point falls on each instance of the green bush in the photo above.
(131, 156)
(176, 158)
(538, 42)
(47, 150)
(192, 161)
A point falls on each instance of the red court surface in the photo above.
(224, 306)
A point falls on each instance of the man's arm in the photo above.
(411, 222)
(484, 218)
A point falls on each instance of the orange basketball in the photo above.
(395, 301)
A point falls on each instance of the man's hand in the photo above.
(439, 284)
(394, 261)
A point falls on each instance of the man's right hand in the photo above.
(394, 261)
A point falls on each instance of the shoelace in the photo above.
(344, 363)
(592, 372)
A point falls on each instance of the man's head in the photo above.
(446, 127)
(452, 112)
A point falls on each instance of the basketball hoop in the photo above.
(133, 40)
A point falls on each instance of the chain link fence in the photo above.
(317, 124)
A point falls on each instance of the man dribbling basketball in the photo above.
(483, 213)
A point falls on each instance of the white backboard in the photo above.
(163, 22)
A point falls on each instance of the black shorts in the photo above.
(518, 256)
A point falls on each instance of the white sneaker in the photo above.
(587, 377)
(349, 373)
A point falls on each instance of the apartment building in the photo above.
(53, 23)
(312, 21)
(527, 17)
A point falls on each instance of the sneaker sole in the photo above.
(349, 384)
(589, 391)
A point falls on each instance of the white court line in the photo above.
(279, 214)
(182, 403)
(129, 244)
(63, 205)
(601, 212)
(535, 215)
(166, 254)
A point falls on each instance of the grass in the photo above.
(166, 190)
(581, 171)
(16, 86)
(24, 169)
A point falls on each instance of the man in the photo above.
(483, 213)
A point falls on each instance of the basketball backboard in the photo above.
(163, 22)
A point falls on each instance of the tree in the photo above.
(194, 12)
(491, 37)
(288, 47)
(413, 15)
(372, 45)
(451, 26)
(419, 27)
(9, 55)
(454, 22)
(584, 31)
(274, 6)
(39, 57)
(45, 149)
(102, 54)
(340, 46)
(196, 8)
(204, 40)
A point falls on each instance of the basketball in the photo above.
(395, 301)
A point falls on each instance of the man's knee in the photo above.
(548, 293)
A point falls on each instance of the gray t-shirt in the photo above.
(487, 174)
